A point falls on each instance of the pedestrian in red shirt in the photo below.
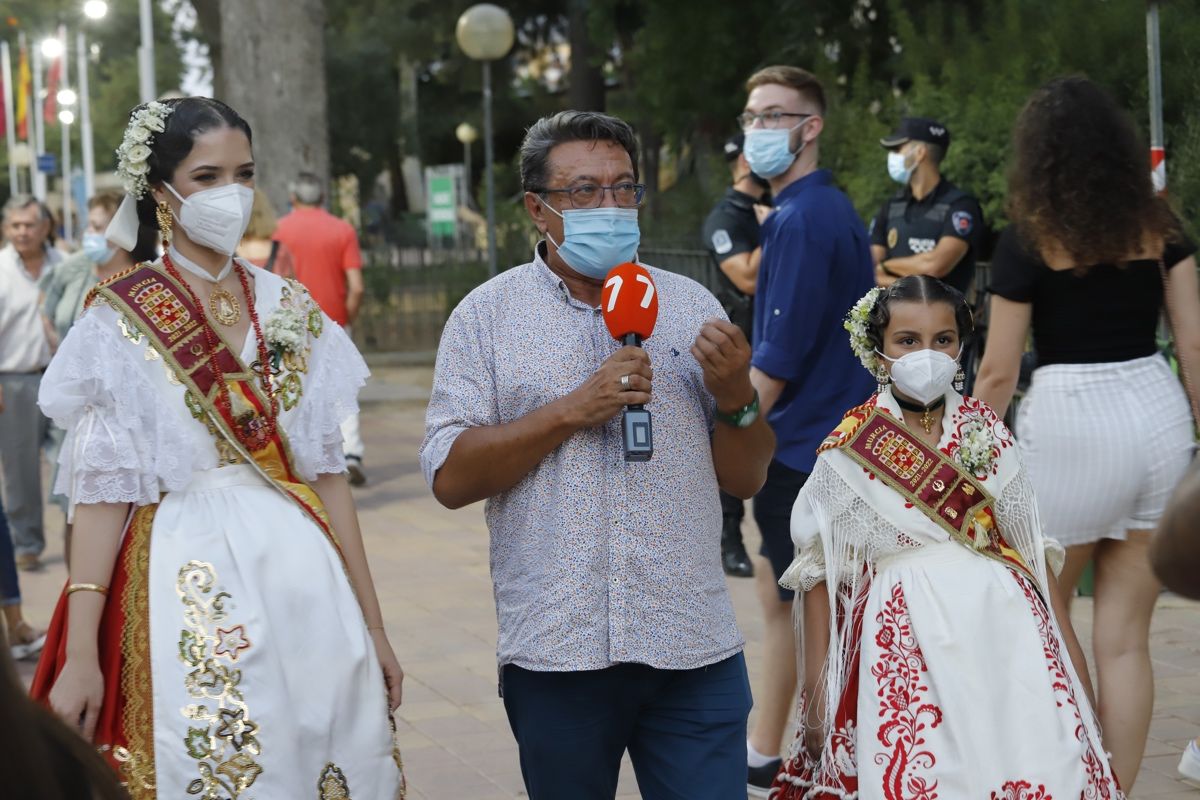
(326, 259)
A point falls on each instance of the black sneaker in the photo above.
(759, 779)
(354, 472)
(734, 559)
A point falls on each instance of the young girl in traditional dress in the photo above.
(935, 661)
(220, 636)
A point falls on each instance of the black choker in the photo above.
(924, 411)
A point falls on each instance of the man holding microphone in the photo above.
(616, 631)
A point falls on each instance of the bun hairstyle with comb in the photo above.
(917, 289)
(189, 118)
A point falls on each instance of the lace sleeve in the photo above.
(123, 443)
(824, 498)
(1021, 525)
(807, 568)
(336, 374)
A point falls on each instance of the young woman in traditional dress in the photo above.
(220, 636)
(936, 660)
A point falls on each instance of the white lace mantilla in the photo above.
(130, 436)
(875, 536)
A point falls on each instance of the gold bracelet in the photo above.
(87, 587)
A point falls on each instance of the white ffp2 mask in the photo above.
(216, 218)
(924, 375)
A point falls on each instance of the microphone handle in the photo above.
(637, 428)
(632, 340)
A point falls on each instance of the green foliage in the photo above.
(972, 66)
(677, 70)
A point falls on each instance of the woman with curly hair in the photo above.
(1091, 258)
(937, 661)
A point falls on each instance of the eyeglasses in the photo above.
(770, 119)
(591, 195)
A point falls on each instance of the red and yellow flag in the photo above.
(50, 106)
(24, 86)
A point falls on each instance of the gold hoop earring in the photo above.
(165, 222)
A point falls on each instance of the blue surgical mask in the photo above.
(768, 150)
(97, 248)
(597, 239)
(896, 169)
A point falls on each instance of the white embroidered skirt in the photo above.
(965, 687)
(265, 678)
(1105, 446)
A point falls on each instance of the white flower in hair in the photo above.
(134, 153)
(856, 325)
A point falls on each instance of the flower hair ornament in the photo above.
(132, 168)
(856, 323)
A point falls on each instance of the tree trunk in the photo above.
(585, 89)
(208, 18)
(273, 60)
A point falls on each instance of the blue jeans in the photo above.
(685, 730)
(10, 591)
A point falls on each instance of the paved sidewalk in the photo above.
(431, 567)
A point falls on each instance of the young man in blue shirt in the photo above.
(816, 263)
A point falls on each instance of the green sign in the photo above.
(441, 204)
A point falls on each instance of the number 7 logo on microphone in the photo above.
(632, 311)
(616, 282)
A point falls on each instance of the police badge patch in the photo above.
(721, 242)
(893, 237)
(963, 222)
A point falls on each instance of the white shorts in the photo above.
(1105, 446)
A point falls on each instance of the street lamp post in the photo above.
(94, 10)
(37, 112)
(485, 33)
(146, 52)
(85, 119)
(466, 133)
(1158, 153)
(65, 98)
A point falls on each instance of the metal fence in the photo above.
(410, 292)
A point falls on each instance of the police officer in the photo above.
(930, 226)
(731, 236)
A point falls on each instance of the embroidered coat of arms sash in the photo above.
(160, 309)
(933, 483)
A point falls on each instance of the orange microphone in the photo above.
(629, 303)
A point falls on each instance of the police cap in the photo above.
(918, 129)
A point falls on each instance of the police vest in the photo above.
(910, 237)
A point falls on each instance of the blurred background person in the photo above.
(930, 226)
(45, 759)
(1092, 255)
(327, 260)
(24, 639)
(816, 263)
(731, 236)
(26, 262)
(1175, 551)
(257, 245)
(66, 288)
